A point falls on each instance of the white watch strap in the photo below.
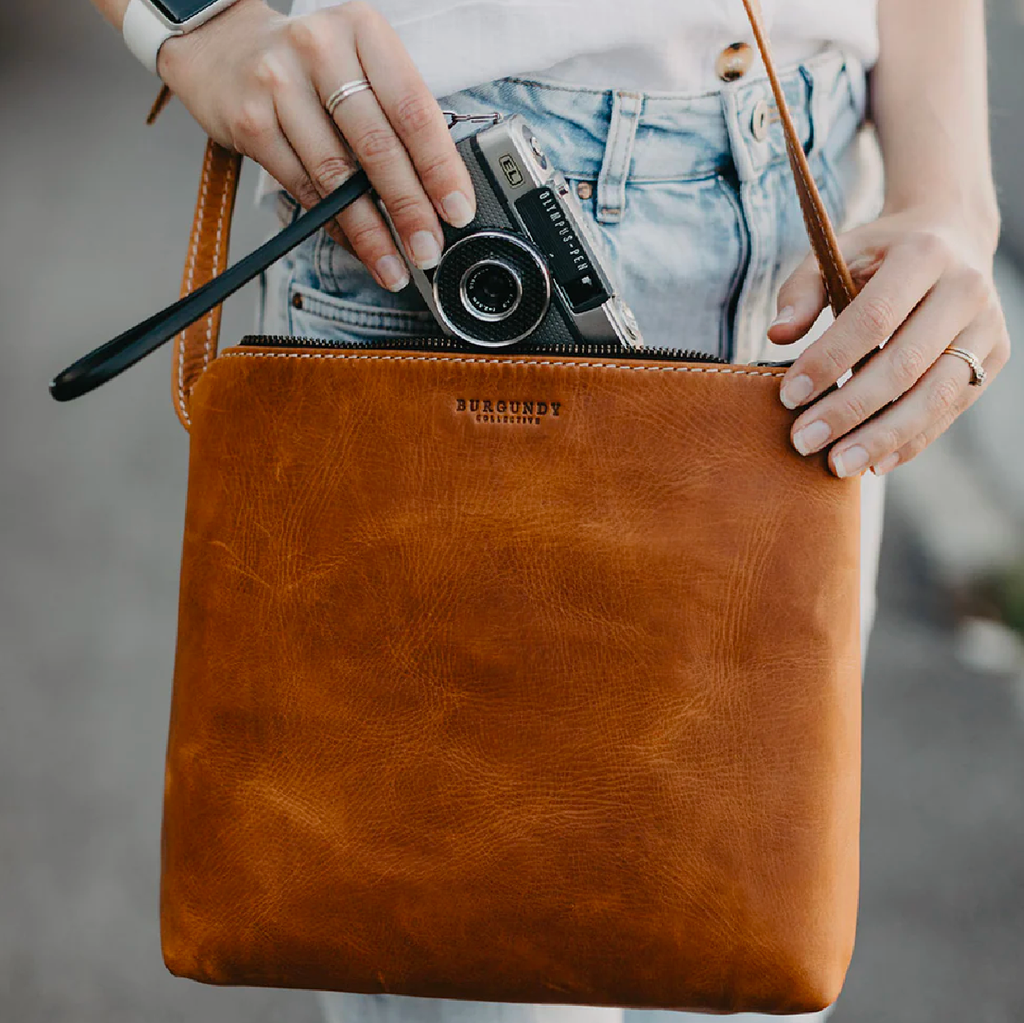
(145, 32)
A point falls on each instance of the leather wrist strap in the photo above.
(194, 320)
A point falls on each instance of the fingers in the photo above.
(803, 296)
(381, 154)
(905, 390)
(912, 448)
(284, 166)
(910, 269)
(396, 131)
(928, 409)
(800, 302)
(417, 118)
(258, 134)
(329, 164)
(951, 305)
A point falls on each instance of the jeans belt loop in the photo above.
(827, 80)
(817, 107)
(618, 155)
(855, 78)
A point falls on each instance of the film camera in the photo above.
(525, 270)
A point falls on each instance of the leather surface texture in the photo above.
(510, 677)
(550, 699)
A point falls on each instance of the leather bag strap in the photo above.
(839, 285)
(207, 258)
(196, 344)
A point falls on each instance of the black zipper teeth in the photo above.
(431, 344)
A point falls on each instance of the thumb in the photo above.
(801, 299)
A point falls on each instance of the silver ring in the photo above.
(978, 373)
(343, 92)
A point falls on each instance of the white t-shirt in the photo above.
(649, 45)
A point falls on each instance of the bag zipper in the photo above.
(437, 344)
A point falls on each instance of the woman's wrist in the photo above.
(178, 53)
(973, 222)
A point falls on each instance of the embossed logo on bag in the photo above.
(502, 410)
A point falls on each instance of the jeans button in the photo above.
(734, 62)
(759, 120)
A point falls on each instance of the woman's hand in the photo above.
(927, 283)
(257, 82)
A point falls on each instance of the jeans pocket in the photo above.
(331, 295)
(320, 314)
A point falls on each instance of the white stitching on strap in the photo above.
(831, 249)
(725, 371)
(228, 184)
(754, 12)
(192, 257)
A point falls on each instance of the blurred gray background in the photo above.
(94, 218)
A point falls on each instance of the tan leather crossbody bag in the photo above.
(554, 710)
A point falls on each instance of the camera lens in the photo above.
(490, 290)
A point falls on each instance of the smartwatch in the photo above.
(148, 24)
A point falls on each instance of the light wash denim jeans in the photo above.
(698, 219)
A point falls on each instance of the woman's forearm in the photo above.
(112, 10)
(929, 99)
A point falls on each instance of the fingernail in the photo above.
(887, 464)
(811, 437)
(457, 209)
(785, 315)
(425, 250)
(851, 461)
(796, 391)
(392, 271)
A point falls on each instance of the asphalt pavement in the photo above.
(94, 217)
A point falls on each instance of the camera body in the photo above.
(525, 270)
